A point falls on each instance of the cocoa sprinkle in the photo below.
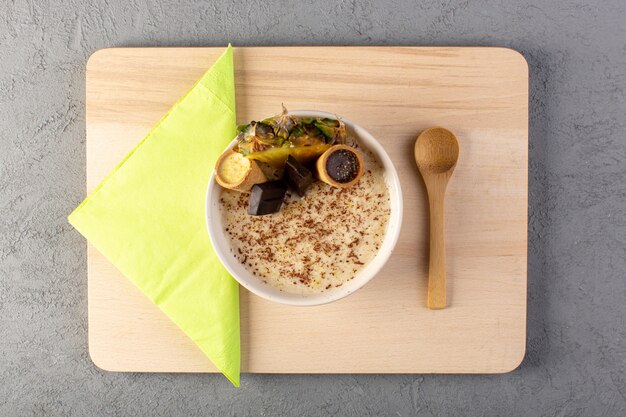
(315, 243)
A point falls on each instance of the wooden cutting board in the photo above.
(481, 94)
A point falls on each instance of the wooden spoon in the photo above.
(436, 154)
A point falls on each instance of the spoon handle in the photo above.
(437, 259)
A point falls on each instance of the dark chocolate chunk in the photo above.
(342, 166)
(266, 198)
(297, 175)
(271, 190)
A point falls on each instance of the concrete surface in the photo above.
(575, 362)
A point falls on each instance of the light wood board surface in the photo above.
(481, 94)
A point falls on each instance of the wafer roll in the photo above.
(236, 172)
(340, 166)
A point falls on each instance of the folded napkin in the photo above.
(147, 217)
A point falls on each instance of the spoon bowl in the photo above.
(436, 150)
(436, 155)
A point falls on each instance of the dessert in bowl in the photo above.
(304, 208)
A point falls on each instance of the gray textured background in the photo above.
(576, 351)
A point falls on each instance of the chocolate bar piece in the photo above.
(266, 198)
(297, 175)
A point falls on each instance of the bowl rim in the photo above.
(372, 268)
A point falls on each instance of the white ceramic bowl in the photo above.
(221, 243)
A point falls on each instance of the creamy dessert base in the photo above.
(314, 243)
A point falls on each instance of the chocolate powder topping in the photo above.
(316, 243)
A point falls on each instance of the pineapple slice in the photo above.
(305, 138)
(277, 157)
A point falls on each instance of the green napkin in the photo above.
(147, 217)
